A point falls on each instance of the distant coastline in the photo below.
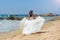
(20, 16)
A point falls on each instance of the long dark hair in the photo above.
(31, 13)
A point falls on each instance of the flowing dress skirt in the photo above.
(32, 26)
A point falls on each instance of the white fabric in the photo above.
(31, 26)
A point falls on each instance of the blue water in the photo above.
(6, 16)
(8, 25)
(49, 18)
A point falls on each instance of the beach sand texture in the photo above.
(50, 31)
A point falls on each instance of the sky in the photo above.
(24, 6)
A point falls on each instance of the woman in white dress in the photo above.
(31, 24)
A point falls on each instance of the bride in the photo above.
(31, 24)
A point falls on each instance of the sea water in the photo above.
(8, 25)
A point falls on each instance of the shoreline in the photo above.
(52, 28)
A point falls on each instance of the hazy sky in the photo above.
(23, 6)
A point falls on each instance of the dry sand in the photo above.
(50, 31)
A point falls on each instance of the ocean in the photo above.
(8, 25)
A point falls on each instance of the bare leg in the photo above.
(28, 17)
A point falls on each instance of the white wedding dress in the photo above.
(32, 25)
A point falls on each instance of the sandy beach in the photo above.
(50, 31)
